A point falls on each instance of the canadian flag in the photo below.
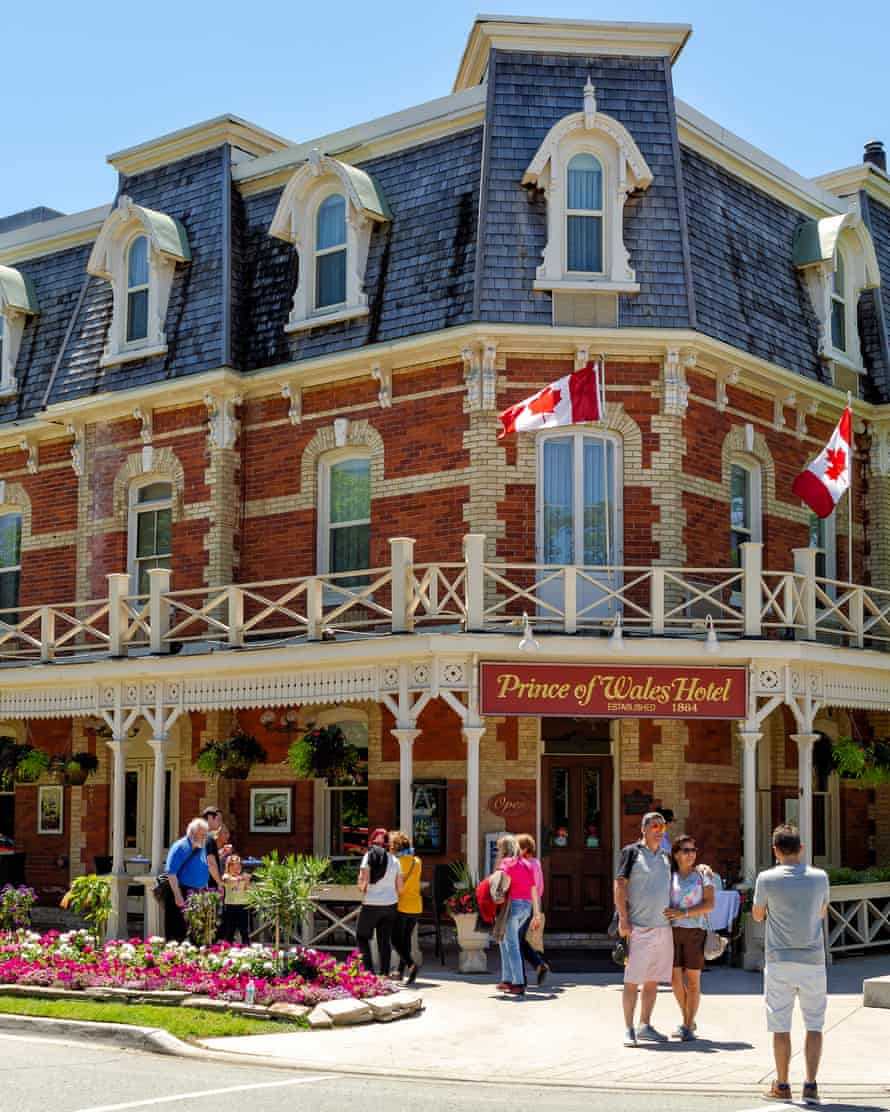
(828, 476)
(564, 402)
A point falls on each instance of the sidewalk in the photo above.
(570, 1031)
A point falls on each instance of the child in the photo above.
(235, 913)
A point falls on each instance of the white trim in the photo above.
(755, 490)
(45, 790)
(144, 769)
(45, 237)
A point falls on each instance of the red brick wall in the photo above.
(709, 742)
(857, 829)
(715, 823)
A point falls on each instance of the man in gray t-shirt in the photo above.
(793, 898)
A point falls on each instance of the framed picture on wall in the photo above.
(270, 811)
(50, 805)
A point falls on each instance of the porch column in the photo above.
(117, 922)
(473, 737)
(405, 738)
(159, 747)
(750, 738)
(805, 743)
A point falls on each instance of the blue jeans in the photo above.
(511, 958)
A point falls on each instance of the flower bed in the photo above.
(73, 961)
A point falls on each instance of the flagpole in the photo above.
(850, 496)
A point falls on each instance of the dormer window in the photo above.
(837, 259)
(587, 166)
(330, 252)
(18, 301)
(584, 215)
(137, 290)
(327, 211)
(137, 251)
(838, 305)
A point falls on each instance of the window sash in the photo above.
(584, 243)
(838, 323)
(578, 500)
(330, 278)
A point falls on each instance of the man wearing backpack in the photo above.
(642, 892)
(381, 881)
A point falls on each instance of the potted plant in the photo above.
(864, 762)
(280, 893)
(32, 764)
(325, 753)
(77, 767)
(90, 896)
(233, 757)
(463, 909)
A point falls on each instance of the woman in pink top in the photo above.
(524, 907)
(527, 849)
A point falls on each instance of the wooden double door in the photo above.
(577, 842)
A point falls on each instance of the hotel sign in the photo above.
(613, 691)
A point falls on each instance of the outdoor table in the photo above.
(726, 908)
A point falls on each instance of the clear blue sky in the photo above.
(806, 81)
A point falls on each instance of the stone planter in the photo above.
(472, 943)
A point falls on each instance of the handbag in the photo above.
(534, 936)
(161, 888)
(715, 944)
(619, 953)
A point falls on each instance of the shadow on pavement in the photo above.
(697, 1046)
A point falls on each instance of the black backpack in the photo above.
(378, 859)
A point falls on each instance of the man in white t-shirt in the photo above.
(793, 899)
(380, 880)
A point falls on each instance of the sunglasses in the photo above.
(687, 849)
(657, 826)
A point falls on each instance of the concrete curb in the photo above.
(154, 1040)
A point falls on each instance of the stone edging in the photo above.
(329, 1013)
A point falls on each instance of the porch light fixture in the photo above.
(616, 639)
(528, 643)
(712, 645)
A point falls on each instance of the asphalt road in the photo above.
(37, 1074)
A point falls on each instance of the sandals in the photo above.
(778, 1092)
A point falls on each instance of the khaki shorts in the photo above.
(650, 955)
(689, 947)
(783, 981)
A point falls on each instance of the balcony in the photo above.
(473, 596)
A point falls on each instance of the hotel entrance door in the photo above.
(577, 834)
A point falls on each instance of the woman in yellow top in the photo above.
(410, 902)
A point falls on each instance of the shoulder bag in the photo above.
(161, 887)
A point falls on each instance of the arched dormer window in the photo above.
(137, 289)
(586, 167)
(137, 251)
(18, 301)
(327, 211)
(837, 259)
(330, 252)
(584, 215)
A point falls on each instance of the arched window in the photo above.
(584, 215)
(330, 252)
(10, 564)
(137, 289)
(744, 506)
(150, 531)
(344, 515)
(839, 304)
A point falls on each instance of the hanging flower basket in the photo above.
(232, 758)
(325, 753)
(865, 763)
(32, 764)
(77, 768)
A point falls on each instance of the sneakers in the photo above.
(684, 1034)
(647, 1033)
(543, 970)
(630, 1038)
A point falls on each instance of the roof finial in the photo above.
(589, 103)
(315, 159)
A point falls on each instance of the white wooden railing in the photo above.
(474, 595)
(858, 917)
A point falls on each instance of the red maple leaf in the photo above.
(545, 402)
(837, 463)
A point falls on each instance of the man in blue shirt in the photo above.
(187, 872)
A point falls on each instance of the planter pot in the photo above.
(472, 943)
(235, 772)
(76, 779)
(348, 893)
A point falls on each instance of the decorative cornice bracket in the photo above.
(480, 374)
(806, 408)
(383, 375)
(29, 447)
(294, 395)
(223, 424)
(674, 387)
(77, 456)
(724, 379)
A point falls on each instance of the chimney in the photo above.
(875, 154)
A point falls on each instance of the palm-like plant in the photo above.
(280, 893)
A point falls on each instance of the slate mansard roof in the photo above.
(711, 250)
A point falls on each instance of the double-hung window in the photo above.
(137, 290)
(10, 564)
(839, 304)
(578, 500)
(151, 543)
(345, 517)
(330, 252)
(584, 215)
(744, 507)
(822, 538)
